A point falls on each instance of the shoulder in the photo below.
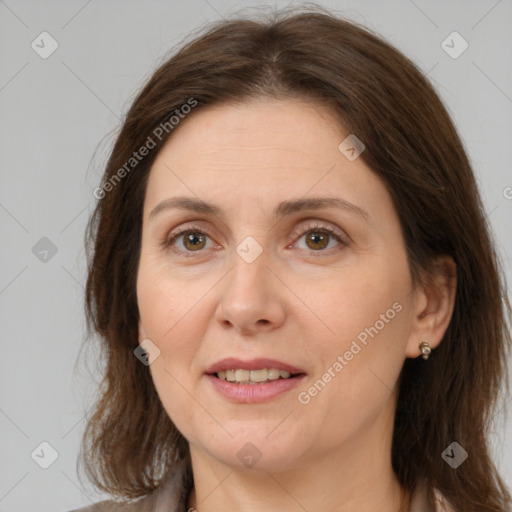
(102, 506)
(440, 502)
(112, 506)
(170, 496)
(421, 502)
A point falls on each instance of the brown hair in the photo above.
(412, 145)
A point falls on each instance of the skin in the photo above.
(199, 305)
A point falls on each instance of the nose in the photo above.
(250, 300)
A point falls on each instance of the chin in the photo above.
(252, 453)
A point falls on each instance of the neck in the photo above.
(356, 475)
(269, 494)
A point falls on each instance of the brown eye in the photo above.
(186, 241)
(193, 241)
(317, 240)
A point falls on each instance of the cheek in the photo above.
(368, 316)
(174, 319)
(356, 298)
(168, 301)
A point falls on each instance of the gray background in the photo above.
(58, 117)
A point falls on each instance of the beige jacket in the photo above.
(173, 497)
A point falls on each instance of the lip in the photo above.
(254, 393)
(232, 363)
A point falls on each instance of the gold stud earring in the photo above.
(425, 349)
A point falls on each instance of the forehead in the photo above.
(257, 152)
(298, 127)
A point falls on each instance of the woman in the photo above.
(292, 275)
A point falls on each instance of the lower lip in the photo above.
(252, 393)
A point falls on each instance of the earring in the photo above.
(425, 349)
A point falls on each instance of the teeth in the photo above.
(253, 376)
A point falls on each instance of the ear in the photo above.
(434, 303)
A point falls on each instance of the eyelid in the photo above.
(169, 238)
(298, 232)
(332, 229)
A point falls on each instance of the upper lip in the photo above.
(232, 363)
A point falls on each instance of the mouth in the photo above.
(255, 371)
(251, 377)
(262, 379)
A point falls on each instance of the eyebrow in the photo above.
(285, 208)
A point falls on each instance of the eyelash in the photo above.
(167, 241)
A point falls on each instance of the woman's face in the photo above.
(257, 275)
